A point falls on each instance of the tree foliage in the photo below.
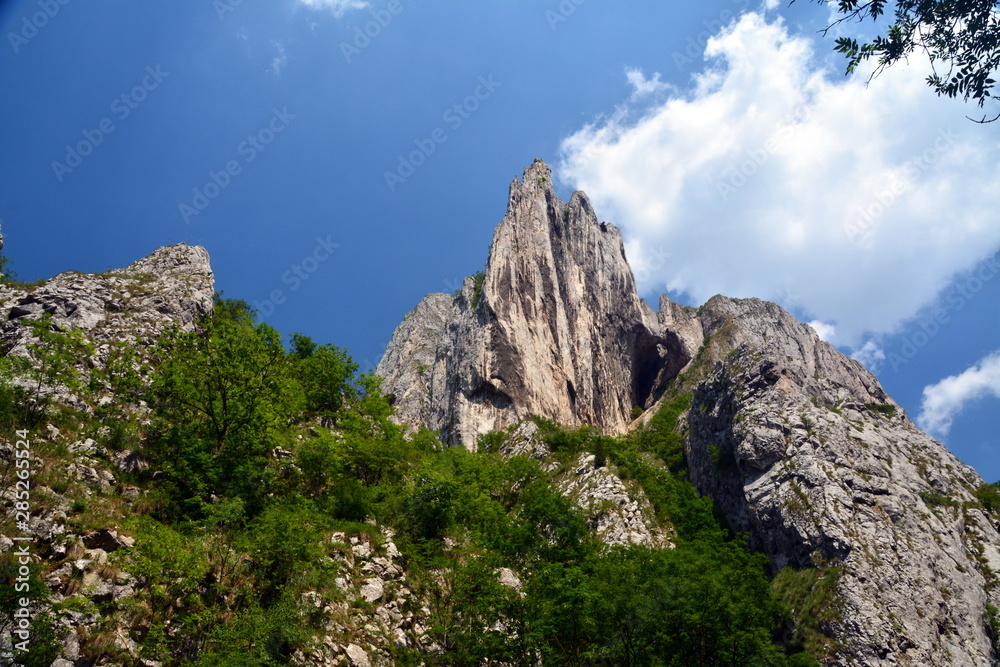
(327, 373)
(259, 455)
(28, 383)
(222, 394)
(962, 40)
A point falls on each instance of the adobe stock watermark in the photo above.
(654, 260)
(31, 25)
(369, 366)
(694, 48)
(954, 301)
(454, 117)
(786, 296)
(596, 149)
(565, 9)
(363, 36)
(121, 108)
(223, 7)
(736, 177)
(21, 602)
(248, 149)
(869, 216)
(297, 274)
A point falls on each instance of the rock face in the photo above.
(554, 326)
(123, 307)
(799, 445)
(173, 285)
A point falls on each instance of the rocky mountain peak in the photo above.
(172, 285)
(554, 327)
(799, 446)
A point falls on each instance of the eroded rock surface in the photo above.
(118, 310)
(800, 447)
(798, 444)
(555, 327)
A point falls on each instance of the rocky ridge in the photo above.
(618, 514)
(801, 448)
(120, 308)
(799, 445)
(554, 326)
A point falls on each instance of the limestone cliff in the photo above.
(121, 307)
(553, 327)
(801, 447)
(798, 444)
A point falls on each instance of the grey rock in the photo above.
(129, 461)
(373, 590)
(781, 433)
(97, 589)
(508, 578)
(83, 447)
(107, 540)
(94, 476)
(122, 307)
(523, 441)
(616, 515)
(358, 656)
(557, 329)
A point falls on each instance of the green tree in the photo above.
(223, 395)
(962, 40)
(7, 274)
(54, 365)
(327, 375)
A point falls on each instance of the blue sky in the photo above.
(722, 136)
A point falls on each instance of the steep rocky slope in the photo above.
(124, 307)
(798, 444)
(801, 447)
(554, 326)
(81, 488)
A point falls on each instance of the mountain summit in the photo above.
(799, 445)
(554, 326)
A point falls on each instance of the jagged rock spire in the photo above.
(798, 444)
(556, 328)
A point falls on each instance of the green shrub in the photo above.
(882, 408)
(989, 496)
(811, 593)
(935, 499)
(660, 436)
(992, 618)
(326, 374)
(490, 443)
(477, 290)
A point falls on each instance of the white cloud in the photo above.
(773, 177)
(870, 354)
(944, 400)
(280, 59)
(643, 87)
(771, 4)
(824, 330)
(338, 7)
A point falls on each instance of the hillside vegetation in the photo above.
(259, 471)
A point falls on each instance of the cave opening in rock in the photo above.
(655, 362)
